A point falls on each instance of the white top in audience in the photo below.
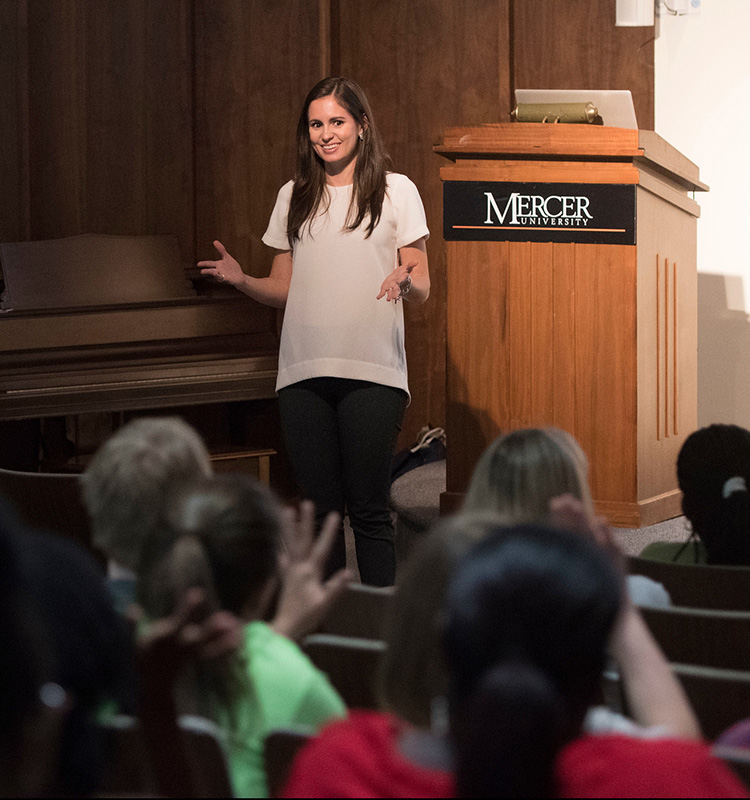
(615, 106)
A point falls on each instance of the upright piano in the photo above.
(117, 323)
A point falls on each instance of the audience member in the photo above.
(529, 615)
(127, 484)
(713, 472)
(222, 536)
(521, 472)
(78, 648)
(25, 666)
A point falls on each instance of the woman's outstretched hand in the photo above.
(305, 597)
(226, 270)
(391, 286)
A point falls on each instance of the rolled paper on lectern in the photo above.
(585, 113)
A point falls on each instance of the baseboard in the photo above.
(620, 514)
(642, 513)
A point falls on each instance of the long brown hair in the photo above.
(369, 172)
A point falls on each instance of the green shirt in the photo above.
(667, 551)
(288, 692)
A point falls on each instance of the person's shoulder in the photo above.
(397, 181)
(621, 765)
(669, 551)
(286, 190)
(276, 653)
(359, 757)
(372, 727)
(338, 761)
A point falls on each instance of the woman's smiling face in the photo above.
(334, 134)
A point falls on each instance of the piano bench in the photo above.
(253, 462)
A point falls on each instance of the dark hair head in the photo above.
(220, 535)
(23, 661)
(58, 625)
(369, 173)
(708, 458)
(529, 615)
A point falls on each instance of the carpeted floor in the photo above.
(418, 493)
(633, 540)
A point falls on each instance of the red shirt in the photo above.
(359, 757)
(622, 766)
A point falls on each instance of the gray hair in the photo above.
(520, 472)
(126, 485)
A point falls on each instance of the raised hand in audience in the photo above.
(166, 645)
(655, 696)
(568, 512)
(305, 597)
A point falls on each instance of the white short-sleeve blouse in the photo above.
(333, 324)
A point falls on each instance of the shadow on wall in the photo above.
(723, 353)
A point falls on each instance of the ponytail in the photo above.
(529, 613)
(728, 537)
(171, 565)
(508, 733)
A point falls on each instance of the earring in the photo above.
(361, 135)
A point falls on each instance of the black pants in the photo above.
(340, 435)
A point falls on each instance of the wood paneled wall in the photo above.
(575, 45)
(155, 116)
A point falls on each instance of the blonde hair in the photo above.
(520, 472)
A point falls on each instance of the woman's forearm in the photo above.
(270, 291)
(420, 289)
(415, 255)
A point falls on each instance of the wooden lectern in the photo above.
(571, 301)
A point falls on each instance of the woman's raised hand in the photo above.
(226, 270)
(391, 286)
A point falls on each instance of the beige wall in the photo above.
(703, 108)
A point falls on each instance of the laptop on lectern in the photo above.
(615, 106)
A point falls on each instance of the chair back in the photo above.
(719, 639)
(279, 751)
(360, 611)
(128, 772)
(351, 664)
(51, 501)
(723, 588)
(719, 697)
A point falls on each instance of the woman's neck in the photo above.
(340, 177)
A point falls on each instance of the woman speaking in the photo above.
(349, 240)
